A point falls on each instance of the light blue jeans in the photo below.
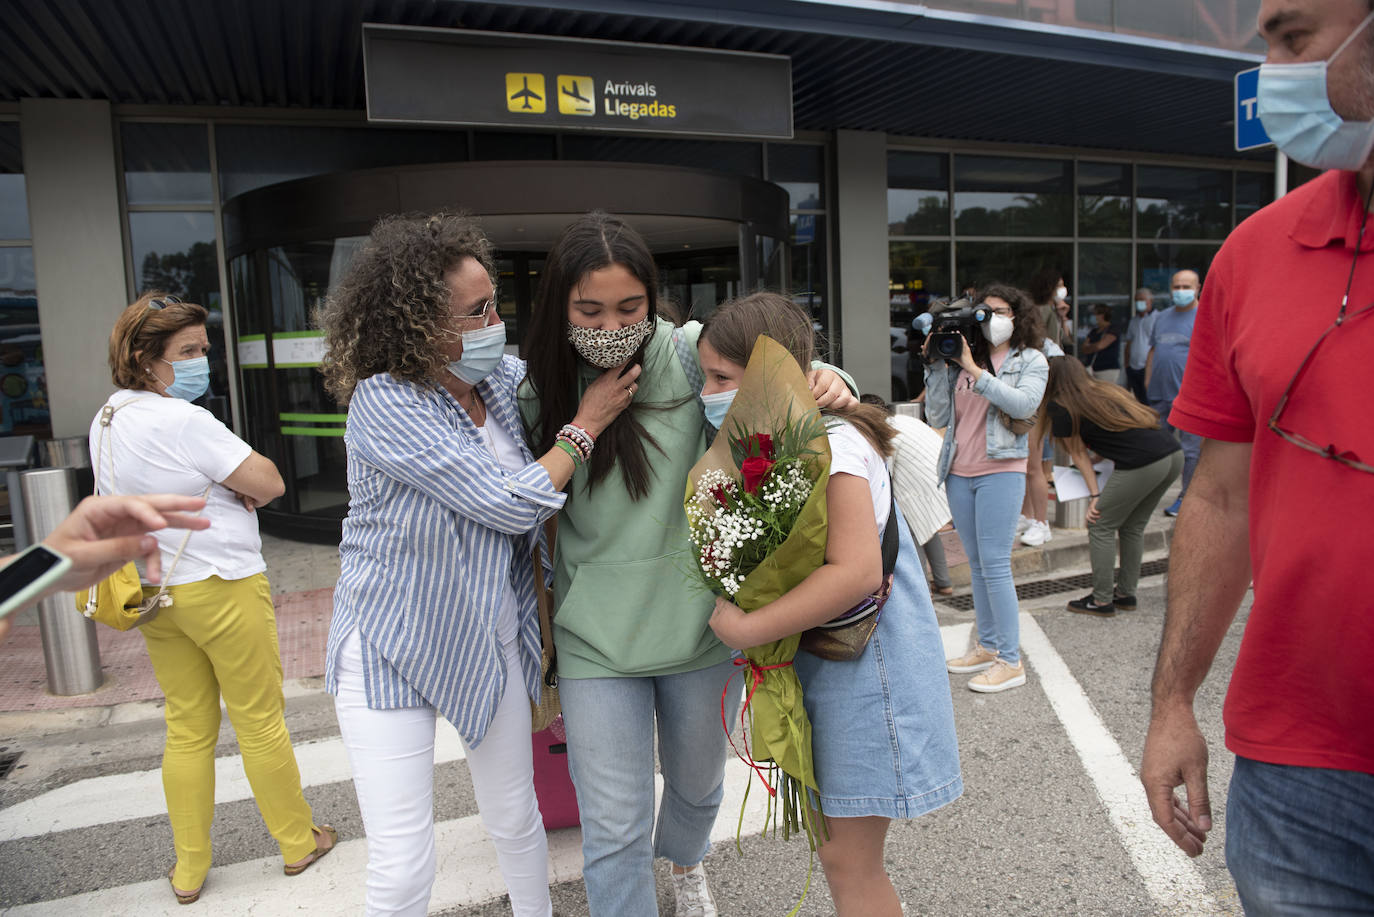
(1191, 442)
(985, 509)
(610, 723)
(1300, 840)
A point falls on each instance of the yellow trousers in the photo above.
(219, 638)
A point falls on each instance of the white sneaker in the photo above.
(693, 894)
(1023, 522)
(1036, 534)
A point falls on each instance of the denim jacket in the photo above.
(1017, 389)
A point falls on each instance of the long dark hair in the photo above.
(590, 243)
(1109, 406)
(1026, 330)
(736, 325)
(1043, 285)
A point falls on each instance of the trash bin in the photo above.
(71, 653)
(1071, 514)
(16, 454)
(70, 452)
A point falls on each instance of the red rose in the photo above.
(764, 443)
(754, 470)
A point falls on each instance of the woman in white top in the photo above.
(218, 637)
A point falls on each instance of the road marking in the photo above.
(119, 797)
(1171, 878)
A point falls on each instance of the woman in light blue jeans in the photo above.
(999, 379)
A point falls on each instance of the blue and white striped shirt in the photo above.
(436, 533)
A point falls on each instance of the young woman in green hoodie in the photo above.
(634, 646)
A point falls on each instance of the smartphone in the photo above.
(24, 579)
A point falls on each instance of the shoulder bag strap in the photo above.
(690, 367)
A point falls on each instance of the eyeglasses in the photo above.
(156, 305)
(481, 315)
(1005, 311)
(1344, 456)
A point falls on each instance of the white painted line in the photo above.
(956, 637)
(119, 797)
(467, 874)
(1170, 877)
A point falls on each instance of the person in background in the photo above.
(1000, 378)
(1137, 341)
(636, 655)
(1051, 297)
(882, 725)
(1091, 414)
(1103, 346)
(434, 611)
(102, 534)
(1283, 496)
(1169, 343)
(218, 638)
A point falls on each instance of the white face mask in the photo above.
(997, 329)
(1060, 292)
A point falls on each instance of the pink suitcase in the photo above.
(553, 786)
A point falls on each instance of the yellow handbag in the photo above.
(117, 600)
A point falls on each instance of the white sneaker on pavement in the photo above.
(693, 894)
(1036, 534)
(1023, 522)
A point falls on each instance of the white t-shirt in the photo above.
(508, 456)
(850, 453)
(167, 445)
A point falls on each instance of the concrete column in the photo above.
(861, 223)
(78, 251)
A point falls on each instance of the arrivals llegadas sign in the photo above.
(453, 76)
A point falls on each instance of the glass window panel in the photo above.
(23, 384)
(1180, 203)
(316, 466)
(166, 163)
(1253, 191)
(251, 156)
(1005, 196)
(978, 264)
(722, 155)
(175, 253)
(808, 281)
(14, 202)
(1158, 261)
(800, 171)
(1104, 276)
(918, 272)
(694, 284)
(1104, 199)
(917, 194)
(1163, 18)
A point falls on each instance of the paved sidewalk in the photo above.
(303, 576)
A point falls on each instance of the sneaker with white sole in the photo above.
(1023, 522)
(693, 894)
(975, 660)
(999, 677)
(1036, 534)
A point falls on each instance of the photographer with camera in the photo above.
(984, 382)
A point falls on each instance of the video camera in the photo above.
(960, 319)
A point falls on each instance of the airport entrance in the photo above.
(713, 235)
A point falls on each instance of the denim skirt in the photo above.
(882, 725)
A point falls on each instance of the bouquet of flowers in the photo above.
(756, 509)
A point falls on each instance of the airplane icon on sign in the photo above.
(525, 95)
(576, 94)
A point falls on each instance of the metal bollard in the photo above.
(1071, 514)
(70, 650)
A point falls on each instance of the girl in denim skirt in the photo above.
(882, 735)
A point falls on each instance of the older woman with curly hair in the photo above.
(434, 611)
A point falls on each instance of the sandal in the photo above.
(183, 897)
(941, 590)
(319, 854)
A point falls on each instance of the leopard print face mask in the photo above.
(605, 349)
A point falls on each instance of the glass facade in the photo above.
(959, 220)
(23, 382)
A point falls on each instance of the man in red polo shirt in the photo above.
(1279, 384)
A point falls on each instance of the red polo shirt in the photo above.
(1303, 689)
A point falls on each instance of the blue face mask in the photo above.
(482, 350)
(717, 406)
(1296, 113)
(190, 378)
(1182, 298)
(1141, 305)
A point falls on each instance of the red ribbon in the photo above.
(757, 671)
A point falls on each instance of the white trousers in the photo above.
(391, 753)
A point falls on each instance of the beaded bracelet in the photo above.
(580, 437)
(572, 451)
(582, 452)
